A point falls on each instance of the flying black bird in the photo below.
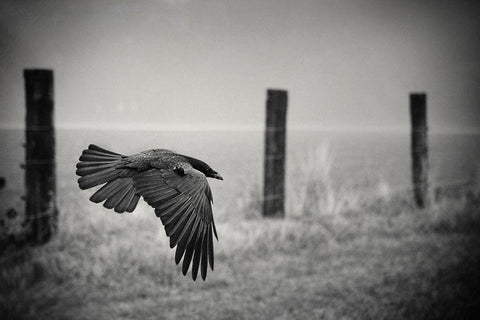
(174, 184)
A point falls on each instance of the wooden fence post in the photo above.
(274, 171)
(419, 148)
(40, 212)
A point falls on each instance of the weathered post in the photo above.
(40, 212)
(274, 171)
(418, 114)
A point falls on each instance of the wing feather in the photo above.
(182, 201)
(179, 226)
(204, 258)
(133, 203)
(160, 196)
(174, 210)
(197, 253)
(190, 248)
(167, 203)
(115, 199)
(183, 236)
(108, 189)
(123, 205)
(210, 248)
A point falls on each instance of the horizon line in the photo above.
(240, 127)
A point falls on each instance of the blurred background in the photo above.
(192, 76)
(186, 63)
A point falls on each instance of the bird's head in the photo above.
(212, 174)
(204, 168)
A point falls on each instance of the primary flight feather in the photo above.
(174, 184)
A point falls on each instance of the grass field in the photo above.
(377, 259)
(341, 253)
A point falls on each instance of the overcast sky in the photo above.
(208, 63)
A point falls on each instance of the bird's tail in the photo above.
(98, 166)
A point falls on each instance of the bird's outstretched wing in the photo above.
(183, 201)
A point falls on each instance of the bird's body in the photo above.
(174, 184)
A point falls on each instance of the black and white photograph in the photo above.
(225, 159)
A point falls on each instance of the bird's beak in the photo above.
(217, 176)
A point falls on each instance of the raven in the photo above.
(174, 184)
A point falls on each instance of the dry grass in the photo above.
(337, 255)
